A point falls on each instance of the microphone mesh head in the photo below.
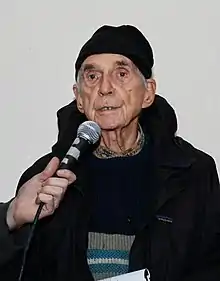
(89, 130)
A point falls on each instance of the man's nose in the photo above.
(106, 87)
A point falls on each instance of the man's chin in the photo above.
(109, 126)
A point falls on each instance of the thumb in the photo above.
(50, 169)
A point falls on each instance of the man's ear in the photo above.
(79, 101)
(149, 93)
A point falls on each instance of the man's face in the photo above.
(111, 91)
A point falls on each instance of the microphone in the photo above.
(88, 134)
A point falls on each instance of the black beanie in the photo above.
(124, 40)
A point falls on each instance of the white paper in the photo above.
(133, 276)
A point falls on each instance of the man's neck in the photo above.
(122, 139)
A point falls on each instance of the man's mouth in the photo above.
(107, 108)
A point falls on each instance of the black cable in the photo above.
(30, 236)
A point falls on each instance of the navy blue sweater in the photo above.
(121, 189)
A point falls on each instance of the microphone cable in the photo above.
(30, 236)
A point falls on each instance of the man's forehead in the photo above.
(106, 60)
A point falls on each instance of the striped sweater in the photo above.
(108, 254)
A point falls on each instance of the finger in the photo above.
(67, 174)
(60, 182)
(55, 191)
(50, 169)
(48, 200)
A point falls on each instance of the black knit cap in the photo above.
(124, 40)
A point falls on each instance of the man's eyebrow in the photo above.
(122, 63)
(88, 66)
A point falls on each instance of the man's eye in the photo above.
(92, 76)
(122, 74)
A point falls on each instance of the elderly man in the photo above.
(142, 198)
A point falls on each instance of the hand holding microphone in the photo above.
(44, 192)
(43, 187)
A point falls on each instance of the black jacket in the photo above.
(180, 242)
